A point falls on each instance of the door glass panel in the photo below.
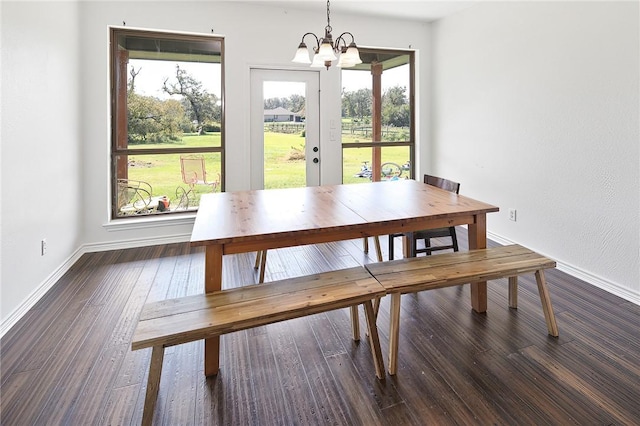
(284, 135)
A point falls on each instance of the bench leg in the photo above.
(376, 305)
(546, 303)
(376, 241)
(153, 385)
(355, 323)
(374, 340)
(513, 292)
(394, 332)
(263, 265)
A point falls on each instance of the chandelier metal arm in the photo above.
(314, 36)
(344, 42)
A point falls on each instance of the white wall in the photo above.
(41, 147)
(55, 68)
(255, 35)
(536, 108)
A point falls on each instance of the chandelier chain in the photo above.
(328, 17)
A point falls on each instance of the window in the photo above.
(378, 136)
(167, 106)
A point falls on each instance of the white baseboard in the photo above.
(581, 274)
(50, 281)
(39, 292)
(135, 243)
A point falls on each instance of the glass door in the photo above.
(285, 131)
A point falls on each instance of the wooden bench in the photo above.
(176, 321)
(431, 272)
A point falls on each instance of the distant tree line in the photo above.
(396, 110)
(294, 103)
(357, 105)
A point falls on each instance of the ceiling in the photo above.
(413, 9)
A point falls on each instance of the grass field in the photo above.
(282, 169)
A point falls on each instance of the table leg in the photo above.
(212, 282)
(477, 240)
(408, 248)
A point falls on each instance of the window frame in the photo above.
(411, 143)
(119, 110)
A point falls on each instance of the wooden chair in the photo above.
(428, 234)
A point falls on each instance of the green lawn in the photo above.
(281, 171)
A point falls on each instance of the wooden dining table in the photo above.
(248, 221)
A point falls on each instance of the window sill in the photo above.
(149, 222)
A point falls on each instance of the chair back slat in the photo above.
(442, 183)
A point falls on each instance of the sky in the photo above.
(153, 74)
(351, 81)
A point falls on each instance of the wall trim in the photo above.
(53, 278)
(609, 286)
(50, 281)
(39, 292)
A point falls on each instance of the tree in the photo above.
(395, 107)
(357, 104)
(273, 103)
(152, 120)
(294, 103)
(201, 106)
(132, 79)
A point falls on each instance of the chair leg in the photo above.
(427, 245)
(153, 384)
(391, 240)
(454, 238)
(365, 245)
(549, 316)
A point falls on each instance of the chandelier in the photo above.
(326, 51)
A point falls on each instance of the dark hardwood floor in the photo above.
(68, 361)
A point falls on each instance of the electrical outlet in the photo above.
(43, 247)
(512, 214)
